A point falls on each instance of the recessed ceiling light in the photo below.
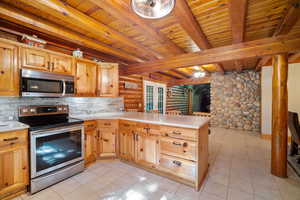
(152, 9)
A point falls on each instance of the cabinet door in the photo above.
(13, 170)
(107, 142)
(35, 59)
(90, 146)
(61, 64)
(85, 78)
(108, 80)
(126, 141)
(147, 149)
(9, 78)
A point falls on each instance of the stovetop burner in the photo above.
(46, 117)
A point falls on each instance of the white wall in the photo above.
(266, 94)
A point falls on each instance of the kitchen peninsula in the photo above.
(172, 146)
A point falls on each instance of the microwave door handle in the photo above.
(64, 88)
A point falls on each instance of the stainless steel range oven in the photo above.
(56, 144)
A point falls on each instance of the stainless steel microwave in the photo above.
(44, 84)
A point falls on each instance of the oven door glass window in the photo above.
(42, 86)
(53, 150)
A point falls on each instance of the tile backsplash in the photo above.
(78, 105)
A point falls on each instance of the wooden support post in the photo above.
(279, 116)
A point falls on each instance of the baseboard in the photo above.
(266, 136)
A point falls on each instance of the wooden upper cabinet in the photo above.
(61, 64)
(108, 80)
(86, 78)
(9, 75)
(35, 59)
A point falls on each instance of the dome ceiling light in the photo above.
(152, 9)
(199, 74)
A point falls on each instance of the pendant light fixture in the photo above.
(152, 9)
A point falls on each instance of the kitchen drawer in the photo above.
(180, 133)
(90, 126)
(107, 123)
(13, 138)
(180, 148)
(127, 124)
(179, 167)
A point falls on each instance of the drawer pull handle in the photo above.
(126, 125)
(10, 139)
(176, 133)
(107, 124)
(105, 140)
(178, 163)
(177, 144)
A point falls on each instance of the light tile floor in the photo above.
(239, 170)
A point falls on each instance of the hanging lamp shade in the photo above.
(152, 9)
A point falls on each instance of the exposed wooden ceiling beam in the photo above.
(252, 49)
(290, 19)
(262, 62)
(56, 44)
(188, 22)
(19, 17)
(190, 81)
(169, 74)
(181, 74)
(237, 11)
(286, 25)
(294, 57)
(73, 16)
(121, 11)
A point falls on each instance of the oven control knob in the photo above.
(32, 110)
(65, 108)
(60, 109)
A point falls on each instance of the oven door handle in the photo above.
(64, 88)
(42, 133)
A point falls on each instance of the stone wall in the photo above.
(9, 105)
(235, 100)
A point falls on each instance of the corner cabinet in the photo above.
(9, 74)
(107, 142)
(85, 78)
(108, 80)
(14, 164)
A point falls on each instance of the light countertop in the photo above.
(184, 121)
(6, 126)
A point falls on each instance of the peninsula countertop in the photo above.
(184, 121)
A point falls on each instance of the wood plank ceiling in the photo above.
(112, 29)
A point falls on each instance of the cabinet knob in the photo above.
(1, 72)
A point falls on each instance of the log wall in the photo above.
(178, 100)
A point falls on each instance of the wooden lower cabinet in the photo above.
(14, 170)
(147, 149)
(126, 145)
(107, 142)
(177, 153)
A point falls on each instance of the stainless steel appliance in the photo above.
(44, 84)
(56, 144)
